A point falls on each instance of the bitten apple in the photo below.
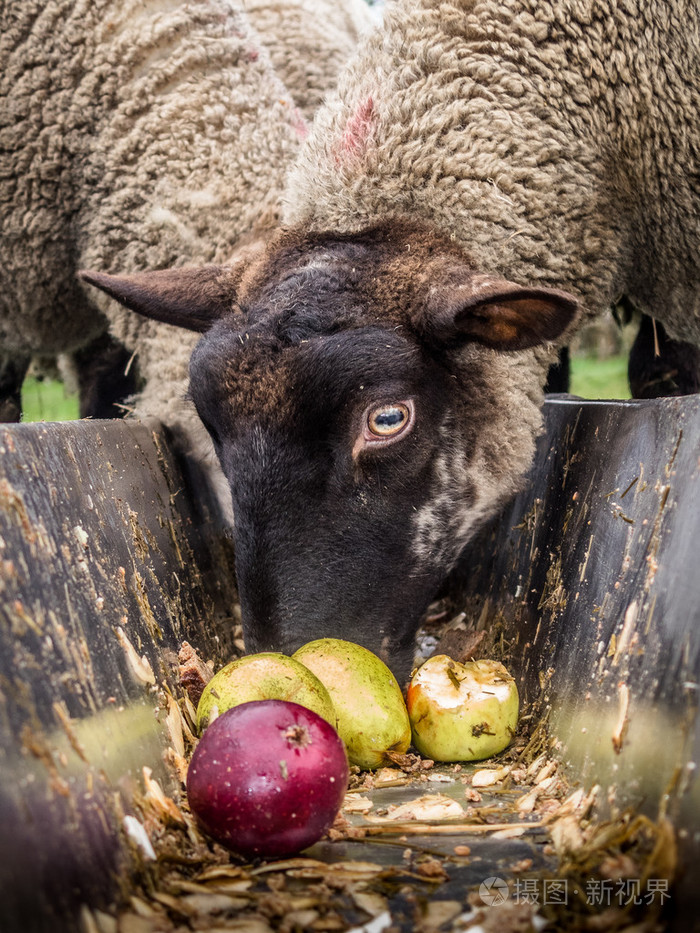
(462, 712)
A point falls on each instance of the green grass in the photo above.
(47, 400)
(593, 378)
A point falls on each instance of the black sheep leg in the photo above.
(13, 368)
(105, 378)
(559, 374)
(674, 370)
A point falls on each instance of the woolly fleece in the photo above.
(309, 41)
(558, 142)
(140, 134)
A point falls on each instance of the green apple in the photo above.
(462, 712)
(372, 716)
(265, 676)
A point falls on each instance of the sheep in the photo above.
(580, 37)
(489, 175)
(141, 134)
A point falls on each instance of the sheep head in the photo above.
(353, 388)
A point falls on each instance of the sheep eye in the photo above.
(388, 420)
(387, 423)
(384, 424)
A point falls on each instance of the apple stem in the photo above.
(297, 736)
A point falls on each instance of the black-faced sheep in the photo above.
(373, 382)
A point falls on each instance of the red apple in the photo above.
(267, 778)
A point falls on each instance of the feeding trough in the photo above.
(112, 554)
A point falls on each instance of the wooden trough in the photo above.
(112, 554)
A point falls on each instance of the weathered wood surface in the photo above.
(107, 555)
(593, 573)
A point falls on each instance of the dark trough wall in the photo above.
(594, 574)
(105, 543)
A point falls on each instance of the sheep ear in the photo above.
(497, 313)
(193, 298)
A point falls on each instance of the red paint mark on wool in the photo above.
(252, 55)
(353, 142)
